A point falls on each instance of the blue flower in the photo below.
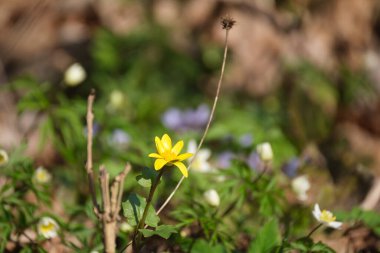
(290, 168)
(225, 159)
(178, 120)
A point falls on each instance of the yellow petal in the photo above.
(177, 147)
(184, 156)
(166, 142)
(159, 146)
(182, 168)
(154, 155)
(159, 163)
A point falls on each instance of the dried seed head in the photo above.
(227, 22)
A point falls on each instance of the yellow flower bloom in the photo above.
(168, 155)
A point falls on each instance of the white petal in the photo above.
(335, 224)
(317, 212)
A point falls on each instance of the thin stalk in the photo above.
(137, 235)
(266, 165)
(314, 229)
(207, 126)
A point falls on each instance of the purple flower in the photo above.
(290, 167)
(225, 159)
(120, 138)
(254, 162)
(172, 119)
(189, 119)
(246, 140)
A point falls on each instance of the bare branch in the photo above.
(90, 172)
(208, 123)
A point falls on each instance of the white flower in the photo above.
(300, 186)
(3, 157)
(74, 75)
(200, 162)
(125, 227)
(47, 227)
(265, 151)
(41, 176)
(326, 217)
(212, 197)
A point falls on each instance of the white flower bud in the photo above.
(212, 197)
(3, 157)
(74, 75)
(265, 151)
(300, 186)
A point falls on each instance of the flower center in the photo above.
(41, 176)
(169, 156)
(327, 216)
(47, 227)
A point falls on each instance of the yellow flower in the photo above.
(168, 155)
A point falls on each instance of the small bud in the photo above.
(212, 197)
(116, 100)
(47, 227)
(41, 176)
(300, 186)
(74, 75)
(125, 227)
(3, 157)
(265, 151)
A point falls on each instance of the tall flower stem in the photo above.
(137, 235)
(314, 229)
(227, 24)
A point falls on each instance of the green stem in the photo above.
(137, 235)
(313, 230)
(261, 173)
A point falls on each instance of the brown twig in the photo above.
(111, 196)
(90, 172)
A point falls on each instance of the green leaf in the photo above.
(201, 246)
(163, 231)
(146, 178)
(133, 210)
(267, 239)
(302, 244)
(320, 247)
